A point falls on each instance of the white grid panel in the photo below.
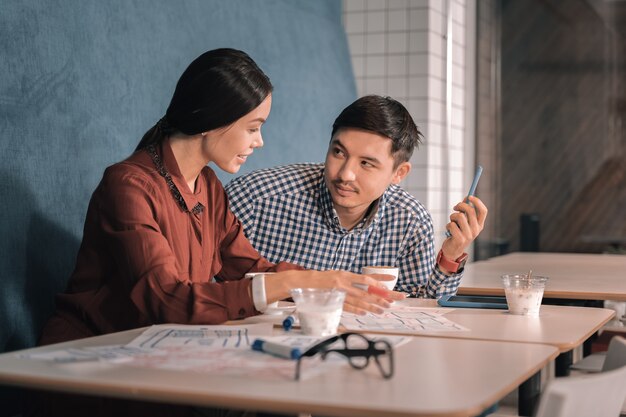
(398, 48)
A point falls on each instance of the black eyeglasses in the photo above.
(358, 349)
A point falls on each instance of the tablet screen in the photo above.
(477, 299)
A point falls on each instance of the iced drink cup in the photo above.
(524, 294)
(319, 310)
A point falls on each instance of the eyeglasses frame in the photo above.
(368, 352)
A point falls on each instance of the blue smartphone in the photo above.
(473, 301)
(472, 190)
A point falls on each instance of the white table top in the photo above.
(560, 326)
(434, 377)
(571, 275)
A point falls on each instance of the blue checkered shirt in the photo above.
(288, 215)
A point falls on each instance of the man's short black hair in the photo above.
(386, 117)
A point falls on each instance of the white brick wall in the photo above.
(399, 48)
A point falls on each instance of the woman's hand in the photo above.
(358, 301)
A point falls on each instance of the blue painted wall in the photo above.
(81, 81)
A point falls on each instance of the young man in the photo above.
(350, 212)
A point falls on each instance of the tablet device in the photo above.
(473, 301)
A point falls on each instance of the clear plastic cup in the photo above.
(523, 294)
(319, 310)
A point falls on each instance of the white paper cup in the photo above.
(387, 270)
(319, 310)
(524, 295)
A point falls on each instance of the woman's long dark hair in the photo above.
(216, 89)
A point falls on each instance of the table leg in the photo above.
(528, 395)
(562, 363)
(587, 346)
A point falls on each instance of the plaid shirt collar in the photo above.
(375, 212)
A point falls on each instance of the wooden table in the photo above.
(563, 327)
(586, 279)
(434, 377)
(571, 276)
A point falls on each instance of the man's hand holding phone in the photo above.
(465, 225)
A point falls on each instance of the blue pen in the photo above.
(289, 322)
(472, 190)
(276, 349)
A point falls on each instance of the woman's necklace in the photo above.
(168, 179)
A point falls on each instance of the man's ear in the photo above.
(401, 172)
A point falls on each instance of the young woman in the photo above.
(160, 244)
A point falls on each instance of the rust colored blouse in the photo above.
(146, 259)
